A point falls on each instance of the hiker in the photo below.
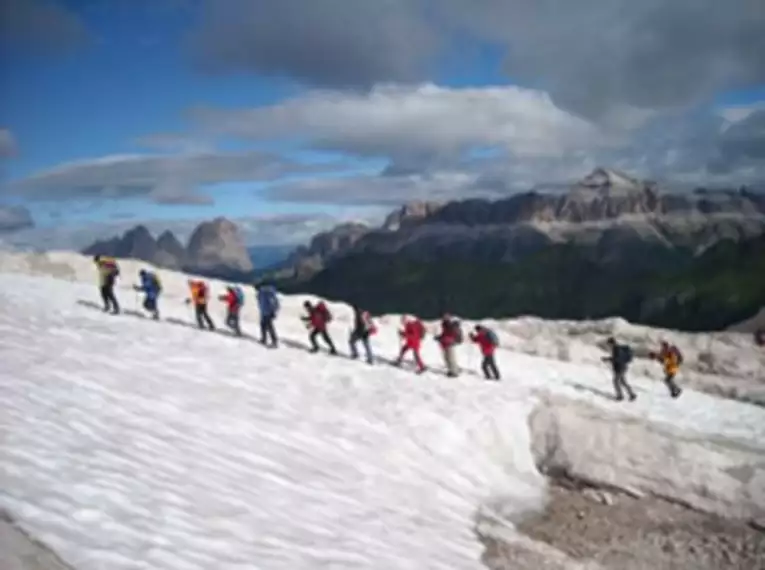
(487, 340)
(412, 333)
(108, 270)
(451, 336)
(621, 356)
(234, 299)
(268, 305)
(151, 288)
(671, 358)
(316, 320)
(199, 295)
(363, 328)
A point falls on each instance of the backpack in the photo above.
(239, 294)
(625, 354)
(492, 336)
(322, 308)
(110, 266)
(678, 354)
(157, 282)
(458, 336)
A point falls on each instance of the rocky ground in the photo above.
(596, 529)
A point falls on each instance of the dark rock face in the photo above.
(307, 260)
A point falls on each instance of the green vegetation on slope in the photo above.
(671, 289)
(723, 286)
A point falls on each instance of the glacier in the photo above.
(134, 444)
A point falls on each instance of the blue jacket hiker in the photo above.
(151, 288)
(268, 305)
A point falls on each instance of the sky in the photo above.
(291, 116)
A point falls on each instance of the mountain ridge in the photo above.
(605, 205)
(214, 248)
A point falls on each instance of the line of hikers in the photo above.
(412, 332)
(316, 319)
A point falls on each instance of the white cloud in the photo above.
(427, 121)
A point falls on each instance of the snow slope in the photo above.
(133, 444)
(726, 363)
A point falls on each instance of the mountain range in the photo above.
(606, 245)
(215, 248)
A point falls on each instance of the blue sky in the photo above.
(315, 104)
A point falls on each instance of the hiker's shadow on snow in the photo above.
(181, 323)
(90, 304)
(96, 306)
(590, 389)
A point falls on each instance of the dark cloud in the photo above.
(333, 43)
(595, 57)
(594, 54)
(742, 145)
(162, 179)
(39, 27)
(15, 218)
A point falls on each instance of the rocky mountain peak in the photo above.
(218, 244)
(410, 213)
(607, 182)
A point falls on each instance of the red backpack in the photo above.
(322, 309)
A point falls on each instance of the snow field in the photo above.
(134, 444)
(726, 363)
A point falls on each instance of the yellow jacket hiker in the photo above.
(671, 358)
(108, 270)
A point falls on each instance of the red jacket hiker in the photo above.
(413, 332)
(231, 300)
(481, 338)
(487, 340)
(318, 316)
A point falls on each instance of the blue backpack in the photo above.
(239, 295)
(492, 336)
